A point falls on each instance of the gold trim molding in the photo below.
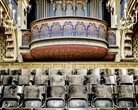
(69, 65)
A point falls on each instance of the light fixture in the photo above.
(28, 9)
(109, 7)
(134, 17)
(13, 13)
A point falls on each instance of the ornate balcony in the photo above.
(67, 38)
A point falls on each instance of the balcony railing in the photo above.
(69, 27)
(69, 38)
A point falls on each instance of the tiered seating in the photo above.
(77, 89)
(125, 89)
(56, 90)
(69, 88)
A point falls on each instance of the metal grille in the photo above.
(135, 47)
(2, 48)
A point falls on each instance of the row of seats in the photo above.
(73, 96)
(53, 88)
(70, 71)
(69, 109)
(41, 79)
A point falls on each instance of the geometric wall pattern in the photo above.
(2, 48)
(135, 47)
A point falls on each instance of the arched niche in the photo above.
(59, 10)
(69, 9)
(79, 10)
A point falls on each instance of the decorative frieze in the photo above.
(70, 65)
(69, 26)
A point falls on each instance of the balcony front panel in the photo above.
(69, 26)
(69, 38)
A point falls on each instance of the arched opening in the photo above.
(80, 10)
(69, 10)
(59, 10)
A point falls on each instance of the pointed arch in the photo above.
(69, 10)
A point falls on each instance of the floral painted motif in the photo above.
(44, 31)
(111, 39)
(102, 32)
(68, 29)
(56, 30)
(26, 39)
(92, 30)
(80, 29)
(35, 33)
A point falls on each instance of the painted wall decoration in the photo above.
(92, 30)
(80, 29)
(26, 38)
(111, 38)
(102, 32)
(56, 29)
(35, 33)
(44, 31)
(68, 29)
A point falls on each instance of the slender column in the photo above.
(51, 9)
(90, 6)
(100, 12)
(94, 11)
(86, 9)
(74, 11)
(97, 9)
(63, 11)
(48, 11)
(37, 10)
(44, 8)
(40, 9)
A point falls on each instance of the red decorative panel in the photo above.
(27, 57)
(69, 52)
(110, 57)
